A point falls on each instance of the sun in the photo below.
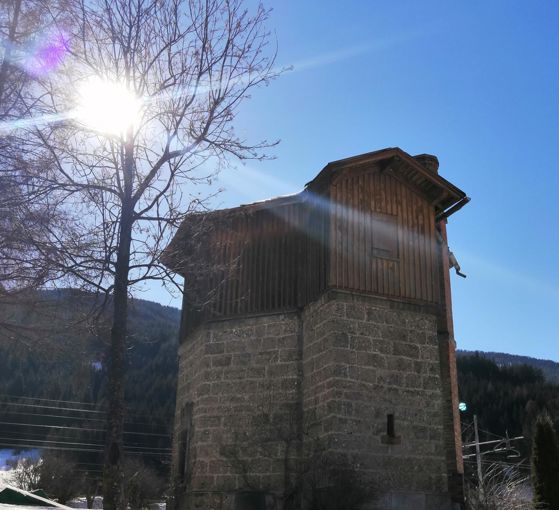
(107, 107)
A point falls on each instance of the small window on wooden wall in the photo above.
(385, 235)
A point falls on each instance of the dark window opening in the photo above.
(390, 437)
(183, 442)
(390, 429)
(250, 501)
(385, 235)
(183, 449)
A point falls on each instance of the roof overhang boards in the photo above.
(445, 198)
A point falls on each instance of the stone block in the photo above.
(223, 360)
(215, 348)
(399, 364)
(288, 355)
(242, 359)
(428, 352)
(200, 482)
(279, 370)
(413, 380)
(234, 373)
(355, 312)
(367, 329)
(236, 346)
(256, 372)
(375, 315)
(208, 421)
(225, 482)
(274, 329)
(382, 346)
(406, 349)
(215, 374)
(393, 333)
(269, 343)
(266, 357)
(431, 383)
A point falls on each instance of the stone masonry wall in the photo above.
(263, 390)
(241, 377)
(364, 360)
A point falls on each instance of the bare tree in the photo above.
(183, 67)
(28, 216)
(26, 472)
(142, 485)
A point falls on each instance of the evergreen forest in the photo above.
(52, 373)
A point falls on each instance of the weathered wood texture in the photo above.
(374, 234)
(271, 259)
(366, 225)
(363, 204)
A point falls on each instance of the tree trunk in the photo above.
(89, 499)
(10, 43)
(112, 474)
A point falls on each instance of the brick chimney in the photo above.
(428, 161)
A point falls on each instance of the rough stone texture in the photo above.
(333, 372)
(363, 362)
(241, 377)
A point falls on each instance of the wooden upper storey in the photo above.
(365, 224)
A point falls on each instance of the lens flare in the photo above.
(107, 107)
(42, 57)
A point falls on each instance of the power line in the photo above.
(40, 406)
(56, 435)
(48, 399)
(81, 428)
(28, 446)
(71, 409)
(55, 416)
(68, 417)
(74, 443)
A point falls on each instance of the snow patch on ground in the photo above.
(3, 506)
(5, 478)
(82, 502)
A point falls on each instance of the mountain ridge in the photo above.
(549, 368)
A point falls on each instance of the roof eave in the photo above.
(385, 154)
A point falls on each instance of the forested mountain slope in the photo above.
(52, 374)
(549, 368)
(506, 399)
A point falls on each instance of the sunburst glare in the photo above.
(107, 107)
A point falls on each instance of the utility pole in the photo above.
(478, 457)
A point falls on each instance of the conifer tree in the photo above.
(545, 465)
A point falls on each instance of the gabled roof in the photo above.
(443, 193)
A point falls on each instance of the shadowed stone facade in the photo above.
(346, 362)
(361, 380)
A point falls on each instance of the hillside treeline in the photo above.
(506, 399)
(52, 373)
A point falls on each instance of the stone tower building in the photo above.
(317, 355)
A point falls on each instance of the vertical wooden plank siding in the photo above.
(269, 260)
(277, 258)
(412, 273)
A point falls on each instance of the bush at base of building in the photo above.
(545, 465)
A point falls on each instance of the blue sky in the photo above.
(475, 83)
